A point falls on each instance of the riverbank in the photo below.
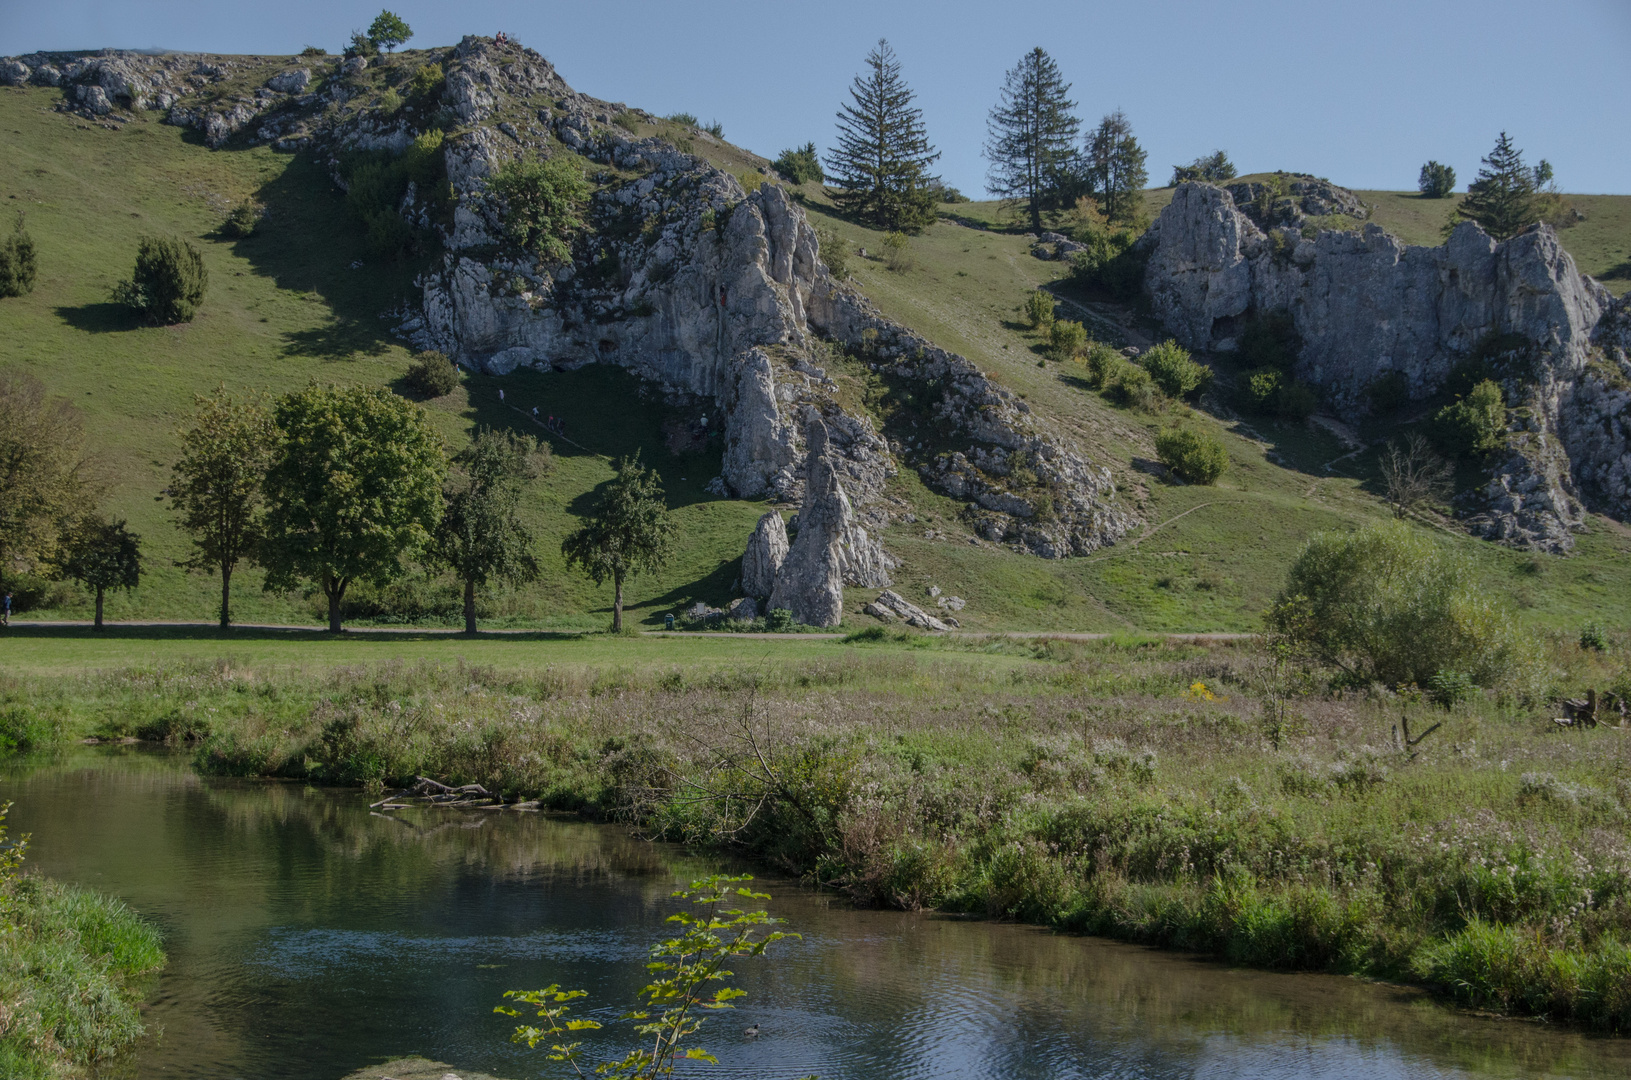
(73, 967)
(1176, 793)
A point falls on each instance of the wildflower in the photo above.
(1199, 691)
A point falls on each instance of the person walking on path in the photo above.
(501, 395)
(5, 609)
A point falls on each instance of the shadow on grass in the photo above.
(302, 203)
(102, 318)
(714, 589)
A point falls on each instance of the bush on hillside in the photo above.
(431, 375)
(1066, 338)
(243, 221)
(1270, 391)
(834, 251)
(1125, 383)
(542, 203)
(1098, 358)
(897, 252)
(428, 83)
(1196, 457)
(1170, 365)
(377, 184)
(684, 118)
(1110, 263)
(1474, 426)
(18, 263)
(1390, 604)
(1388, 392)
(168, 283)
(800, 166)
(1039, 310)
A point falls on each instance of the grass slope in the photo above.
(286, 306)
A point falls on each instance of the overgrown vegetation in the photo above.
(1191, 454)
(431, 375)
(71, 971)
(1436, 181)
(1474, 426)
(377, 184)
(801, 166)
(542, 203)
(19, 263)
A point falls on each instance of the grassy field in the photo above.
(283, 310)
(1129, 788)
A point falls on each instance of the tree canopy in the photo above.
(45, 475)
(389, 29)
(1115, 162)
(481, 535)
(541, 203)
(354, 488)
(217, 484)
(18, 264)
(883, 154)
(103, 555)
(1436, 181)
(629, 531)
(1212, 168)
(1031, 135)
(1503, 200)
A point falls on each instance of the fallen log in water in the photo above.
(435, 793)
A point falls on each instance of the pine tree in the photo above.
(1032, 135)
(883, 151)
(1503, 198)
(1115, 162)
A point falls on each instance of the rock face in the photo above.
(1367, 305)
(892, 605)
(810, 581)
(767, 550)
(684, 279)
(1298, 200)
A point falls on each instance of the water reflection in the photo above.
(309, 937)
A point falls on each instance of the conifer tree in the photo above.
(1503, 198)
(1032, 135)
(883, 150)
(1115, 162)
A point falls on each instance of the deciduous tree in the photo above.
(629, 531)
(1436, 181)
(388, 29)
(103, 555)
(481, 535)
(354, 489)
(1031, 135)
(218, 483)
(45, 475)
(883, 153)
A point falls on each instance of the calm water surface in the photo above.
(309, 937)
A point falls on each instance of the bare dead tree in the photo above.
(1413, 474)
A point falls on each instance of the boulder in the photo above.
(290, 82)
(356, 65)
(14, 73)
(47, 75)
(892, 605)
(810, 582)
(742, 609)
(767, 550)
(94, 99)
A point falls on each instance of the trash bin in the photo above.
(668, 622)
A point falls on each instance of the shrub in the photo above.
(428, 83)
(243, 221)
(1126, 383)
(714, 128)
(685, 118)
(431, 375)
(779, 621)
(1169, 364)
(1474, 426)
(1110, 263)
(897, 250)
(1296, 401)
(169, 281)
(834, 251)
(1450, 688)
(801, 166)
(1066, 338)
(1272, 392)
(1196, 457)
(542, 203)
(1098, 358)
(1039, 310)
(1594, 637)
(390, 102)
(378, 183)
(1388, 392)
(751, 180)
(18, 264)
(1436, 181)
(1270, 341)
(1389, 604)
(313, 50)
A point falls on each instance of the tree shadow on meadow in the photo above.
(103, 317)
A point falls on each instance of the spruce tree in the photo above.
(883, 151)
(1032, 135)
(1503, 199)
(1115, 162)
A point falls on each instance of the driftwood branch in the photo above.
(435, 793)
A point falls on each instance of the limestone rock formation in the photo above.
(1367, 305)
(891, 605)
(810, 581)
(290, 82)
(767, 550)
(1301, 202)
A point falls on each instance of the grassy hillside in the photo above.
(285, 306)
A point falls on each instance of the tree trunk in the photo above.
(617, 604)
(336, 592)
(226, 594)
(99, 607)
(469, 605)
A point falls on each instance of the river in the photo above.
(309, 937)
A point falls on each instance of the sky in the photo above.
(1361, 93)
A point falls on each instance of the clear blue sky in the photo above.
(1360, 92)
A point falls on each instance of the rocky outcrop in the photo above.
(767, 550)
(1367, 305)
(1296, 199)
(891, 605)
(810, 581)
